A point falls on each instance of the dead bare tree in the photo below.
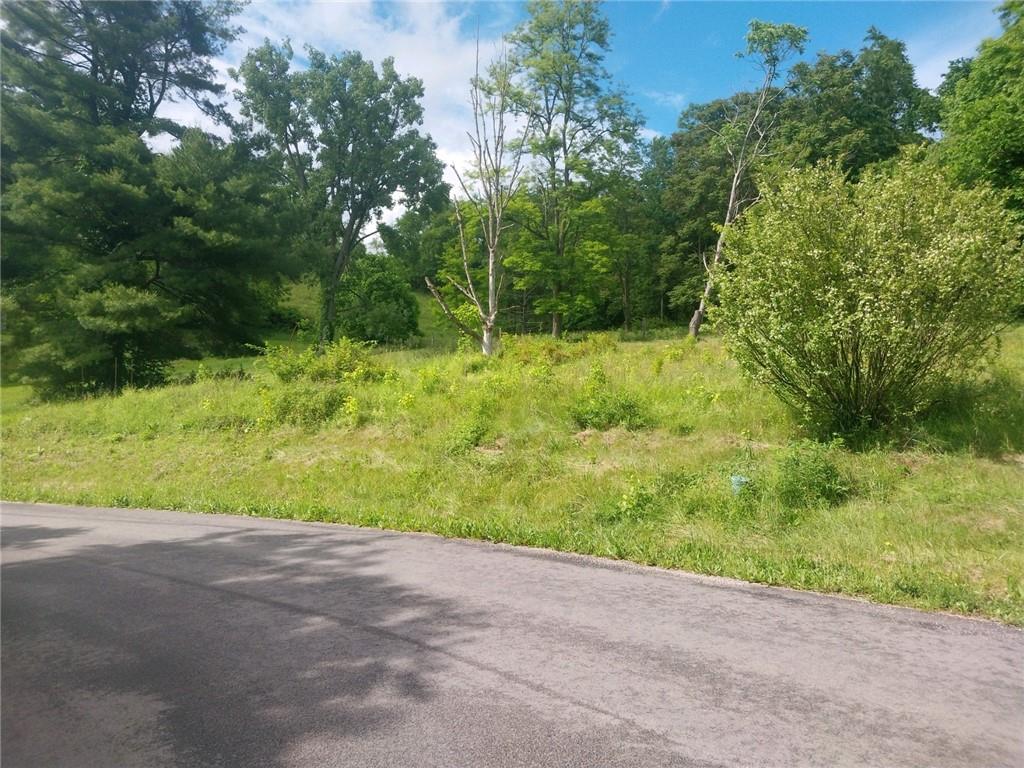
(488, 187)
(745, 138)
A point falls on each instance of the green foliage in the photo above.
(226, 246)
(772, 43)
(636, 504)
(482, 450)
(806, 475)
(114, 63)
(983, 112)
(375, 302)
(117, 261)
(987, 415)
(302, 404)
(343, 360)
(581, 127)
(856, 303)
(644, 500)
(697, 195)
(601, 406)
(418, 238)
(468, 316)
(538, 349)
(855, 109)
(348, 140)
(77, 304)
(470, 431)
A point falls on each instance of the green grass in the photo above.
(455, 445)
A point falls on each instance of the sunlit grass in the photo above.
(463, 447)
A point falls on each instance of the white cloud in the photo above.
(674, 99)
(931, 49)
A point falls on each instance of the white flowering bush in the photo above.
(857, 302)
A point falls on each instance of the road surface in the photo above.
(142, 638)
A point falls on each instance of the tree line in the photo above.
(118, 259)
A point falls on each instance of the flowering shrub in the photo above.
(857, 302)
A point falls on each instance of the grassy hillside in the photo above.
(657, 452)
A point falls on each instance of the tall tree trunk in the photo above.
(556, 325)
(328, 305)
(730, 214)
(329, 295)
(488, 343)
(556, 315)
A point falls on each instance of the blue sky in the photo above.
(670, 54)
(666, 54)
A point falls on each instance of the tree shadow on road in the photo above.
(232, 648)
(31, 536)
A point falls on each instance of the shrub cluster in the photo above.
(645, 499)
(856, 303)
(530, 349)
(302, 404)
(599, 406)
(468, 433)
(343, 360)
(806, 475)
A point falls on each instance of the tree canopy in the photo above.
(118, 259)
(113, 263)
(350, 142)
(983, 111)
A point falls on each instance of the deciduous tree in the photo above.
(983, 112)
(580, 124)
(352, 146)
(855, 109)
(489, 185)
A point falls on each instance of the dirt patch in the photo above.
(1013, 458)
(497, 448)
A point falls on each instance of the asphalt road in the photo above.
(141, 638)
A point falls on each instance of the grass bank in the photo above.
(656, 452)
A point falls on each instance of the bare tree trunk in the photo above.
(753, 145)
(489, 342)
(730, 214)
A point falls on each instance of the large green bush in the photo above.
(855, 303)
